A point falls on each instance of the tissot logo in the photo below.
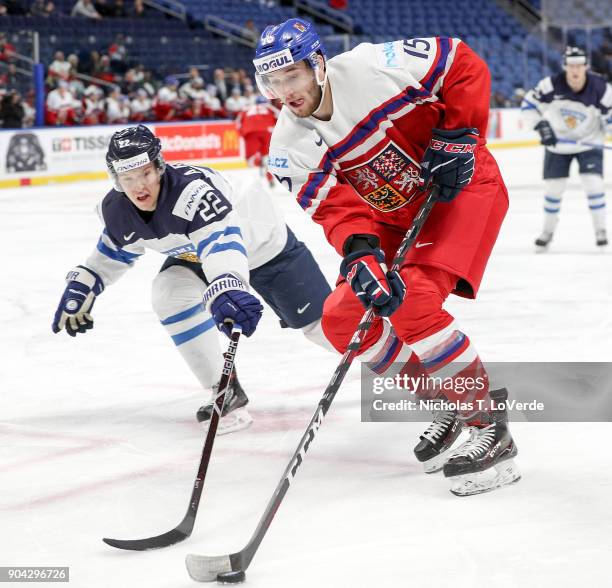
(66, 144)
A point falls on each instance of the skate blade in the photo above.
(502, 474)
(541, 248)
(235, 421)
(436, 464)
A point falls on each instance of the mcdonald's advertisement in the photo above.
(55, 154)
(197, 141)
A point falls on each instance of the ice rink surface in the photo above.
(99, 437)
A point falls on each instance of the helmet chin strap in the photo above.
(323, 86)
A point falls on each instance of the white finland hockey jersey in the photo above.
(574, 116)
(198, 218)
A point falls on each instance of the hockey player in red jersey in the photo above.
(357, 136)
(255, 124)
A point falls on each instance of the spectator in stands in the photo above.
(250, 96)
(11, 110)
(29, 110)
(139, 10)
(117, 107)
(219, 81)
(167, 102)
(59, 69)
(9, 79)
(118, 10)
(244, 78)
(142, 107)
(118, 54)
(62, 108)
(92, 64)
(517, 97)
(86, 9)
(104, 71)
(251, 32)
(194, 73)
(499, 100)
(235, 81)
(3, 10)
(73, 60)
(235, 103)
(148, 83)
(213, 103)
(129, 85)
(7, 50)
(338, 4)
(193, 91)
(42, 8)
(94, 106)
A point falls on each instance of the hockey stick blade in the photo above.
(204, 568)
(164, 540)
(185, 527)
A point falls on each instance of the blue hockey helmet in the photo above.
(132, 148)
(283, 45)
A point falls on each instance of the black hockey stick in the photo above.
(185, 527)
(205, 568)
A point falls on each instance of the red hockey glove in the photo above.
(373, 284)
(449, 161)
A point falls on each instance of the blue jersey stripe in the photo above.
(214, 236)
(194, 332)
(118, 255)
(232, 245)
(185, 314)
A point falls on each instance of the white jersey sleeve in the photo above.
(109, 260)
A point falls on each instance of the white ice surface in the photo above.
(98, 435)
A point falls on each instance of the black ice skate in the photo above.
(434, 443)
(543, 242)
(601, 238)
(234, 415)
(484, 462)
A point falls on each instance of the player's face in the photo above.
(576, 76)
(297, 88)
(141, 186)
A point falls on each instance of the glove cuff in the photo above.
(87, 277)
(359, 243)
(455, 133)
(222, 284)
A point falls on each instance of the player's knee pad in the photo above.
(341, 315)
(421, 313)
(174, 290)
(593, 184)
(555, 187)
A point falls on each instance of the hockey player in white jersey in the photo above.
(570, 111)
(215, 241)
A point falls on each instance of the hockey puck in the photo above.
(231, 577)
